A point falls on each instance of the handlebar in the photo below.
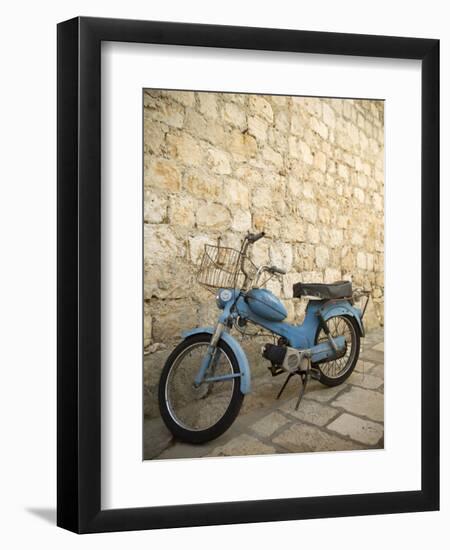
(275, 269)
(253, 237)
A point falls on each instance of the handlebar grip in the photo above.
(253, 237)
(275, 269)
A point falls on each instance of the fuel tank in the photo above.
(264, 304)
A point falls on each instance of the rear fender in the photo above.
(242, 360)
(342, 307)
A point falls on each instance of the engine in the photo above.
(285, 358)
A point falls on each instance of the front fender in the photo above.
(242, 360)
(332, 309)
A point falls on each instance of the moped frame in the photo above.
(301, 337)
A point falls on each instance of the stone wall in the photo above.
(307, 171)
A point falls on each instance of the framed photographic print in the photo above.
(248, 303)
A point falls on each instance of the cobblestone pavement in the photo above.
(346, 417)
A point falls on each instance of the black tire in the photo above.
(353, 357)
(197, 436)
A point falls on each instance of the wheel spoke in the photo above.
(202, 407)
(339, 326)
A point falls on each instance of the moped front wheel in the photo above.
(333, 373)
(199, 414)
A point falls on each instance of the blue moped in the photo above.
(205, 378)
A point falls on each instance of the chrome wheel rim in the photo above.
(339, 326)
(198, 409)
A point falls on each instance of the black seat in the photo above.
(340, 289)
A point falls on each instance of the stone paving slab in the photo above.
(367, 381)
(269, 424)
(302, 438)
(362, 402)
(357, 429)
(310, 411)
(243, 445)
(345, 417)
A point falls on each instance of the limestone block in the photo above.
(305, 152)
(208, 104)
(312, 277)
(297, 125)
(266, 221)
(332, 275)
(359, 194)
(324, 215)
(361, 260)
(236, 192)
(320, 161)
(242, 221)
(182, 210)
(173, 320)
(309, 212)
(155, 207)
(328, 115)
(293, 231)
(282, 121)
(162, 174)
(218, 161)
(257, 128)
(322, 256)
(336, 237)
(214, 216)
(260, 253)
(161, 110)
(319, 127)
(272, 156)
(185, 148)
(281, 255)
(185, 98)
(343, 172)
(160, 242)
(154, 136)
(163, 281)
(202, 184)
(262, 198)
(147, 325)
(197, 247)
(313, 234)
(377, 202)
(242, 145)
(235, 115)
(261, 107)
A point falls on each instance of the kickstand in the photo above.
(289, 376)
(305, 379)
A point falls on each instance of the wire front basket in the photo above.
(221, 267)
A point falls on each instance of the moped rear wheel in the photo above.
(333, 373)
(197, 415)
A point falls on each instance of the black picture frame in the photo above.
(79, 275)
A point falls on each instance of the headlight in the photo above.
(223, 296)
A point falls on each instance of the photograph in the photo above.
(263, 274)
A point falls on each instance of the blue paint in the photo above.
(264, 304)
(242, 360)
(260, 311)
(323, 351)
